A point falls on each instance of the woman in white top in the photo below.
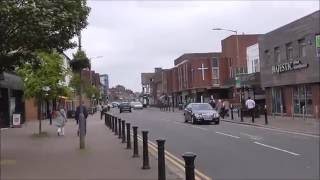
(61, 121)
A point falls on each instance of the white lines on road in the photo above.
(228, 135)
(192, 126)
(272, 147)
(252, 136)
(277, 130)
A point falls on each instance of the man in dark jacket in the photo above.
(85, 113)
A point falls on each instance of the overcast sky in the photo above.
(136, 36)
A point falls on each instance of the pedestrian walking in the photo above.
(61, 120)
(212, 102)
(77, 116)
(250, 104)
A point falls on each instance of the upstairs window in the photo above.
(302, 47)
(289, 51)
(277, 57)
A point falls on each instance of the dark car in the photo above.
(125, 106)
(201, 113)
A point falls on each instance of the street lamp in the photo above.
(238, 58)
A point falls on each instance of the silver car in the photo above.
(201, 113)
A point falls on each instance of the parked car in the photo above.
(201, 113)
(136, 105)
(125, 106)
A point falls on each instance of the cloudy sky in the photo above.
(136, 36)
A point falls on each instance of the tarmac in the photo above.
(26, 156)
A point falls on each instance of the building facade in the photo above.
(253, 61)
(290, 68)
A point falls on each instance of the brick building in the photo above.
(290, 67)
(197, 76)
(234, 53)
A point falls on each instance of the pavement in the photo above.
(24, 156)
(305, 125)
(233, 150)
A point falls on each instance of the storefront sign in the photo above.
(16, 120)
(289, 66)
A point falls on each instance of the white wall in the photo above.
(253, 54)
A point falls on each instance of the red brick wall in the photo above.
(198, 82)
(223, 70)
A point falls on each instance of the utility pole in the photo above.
(81, 116)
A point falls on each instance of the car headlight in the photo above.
(198, 115)
(215, 115)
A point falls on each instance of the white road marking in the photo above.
(295, 154)
(192, 126)
(278, 130)
(252, 136)
(227, 135)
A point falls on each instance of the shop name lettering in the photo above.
(289, 66)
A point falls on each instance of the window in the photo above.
(302, 48)
(277, 101)
(215, 73)
(267, 54)
(302, 99)
(289, 51)
(277, 57)
(256, 66)
(215, 62)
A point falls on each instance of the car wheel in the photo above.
(120, 111)
(217, 122)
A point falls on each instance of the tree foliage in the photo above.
(88, 89)
(28, 26)
(50, 74)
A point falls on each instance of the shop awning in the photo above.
(11, 81)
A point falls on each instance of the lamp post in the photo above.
(237, 44)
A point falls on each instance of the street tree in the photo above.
(29, 26)
(47, 81)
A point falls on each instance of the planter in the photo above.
(79, 64)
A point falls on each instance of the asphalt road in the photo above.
(232, 151)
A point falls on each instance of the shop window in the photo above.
(278, 101)
(302, 99)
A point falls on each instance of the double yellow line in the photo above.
(174, 160)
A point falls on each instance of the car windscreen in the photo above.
(198, 107)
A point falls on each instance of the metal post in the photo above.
(105, 120)
(161, 160)
(303, 112)
(123, 133)
(119, 129)
(128, 136)
(115, 125)
(238, 112)
(265, 114)
(231, 109)
(112, 123)
(241, 114)
(145, 150)
(189, 158)
(281, 109)
(135, 141)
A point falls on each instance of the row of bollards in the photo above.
(122, 130)
(252, 114)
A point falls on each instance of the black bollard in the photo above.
(128, 136)
(238, 112)
(161, 160)
(241, 115)
(112, 123)
(252, 114)
(105, 120)
(109, 121)
(123, 133)
(265, 115)
(231, 109)
(115, 125)
(135, 141)
(119, 129)
(145, 150)
(189, 158)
